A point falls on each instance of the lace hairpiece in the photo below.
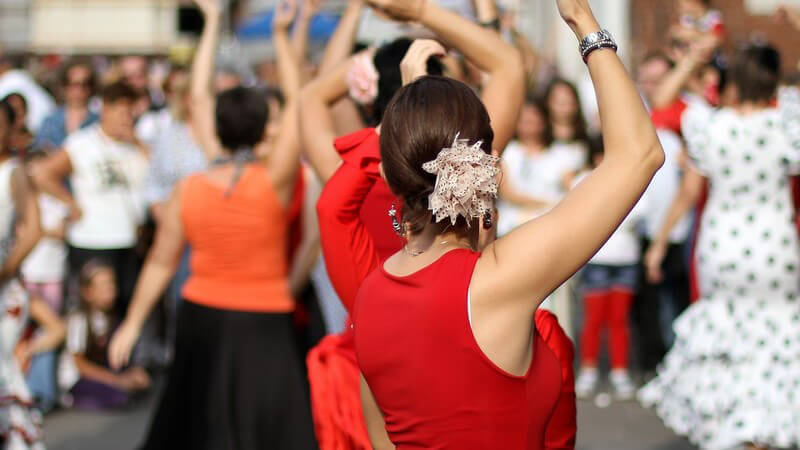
(362, 79)
(466, 182)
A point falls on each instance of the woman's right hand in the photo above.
(579, 16)
(415, 63)
(119, 352)
(402, 10)
(652, 261)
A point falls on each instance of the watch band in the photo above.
(595, 41)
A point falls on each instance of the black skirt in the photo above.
(236, 383)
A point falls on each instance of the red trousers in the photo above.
(606, 310)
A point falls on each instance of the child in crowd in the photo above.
(609, 283)
(91, 382)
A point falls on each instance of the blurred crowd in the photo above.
(105, 140)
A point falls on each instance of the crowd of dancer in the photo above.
(399, 248)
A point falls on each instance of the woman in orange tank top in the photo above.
(236, 381)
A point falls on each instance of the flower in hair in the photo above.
(362, 79)
(466, 181)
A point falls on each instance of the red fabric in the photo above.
(362, 150)
(562, 427)
(669, 117)
(335, 394)
(350, 256)
(416, 350)
(694, 282)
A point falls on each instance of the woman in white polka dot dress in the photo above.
(732, 378)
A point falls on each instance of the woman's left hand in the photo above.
(285, 13)
(415, 63)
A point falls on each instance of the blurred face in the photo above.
(118, 118)
(562, 103)
(102, 290)
(531, 124)
(78, 87)
(650, 75)
(134, 69)
(20, 109)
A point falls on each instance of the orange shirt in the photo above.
(238, 260)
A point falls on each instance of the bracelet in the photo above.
(493, 24)
(596, 41)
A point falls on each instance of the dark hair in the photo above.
(580, 131)
(90, 269)
(63, 77)
(596, 148)
(541, 106)
(387, 62)
(119, 90)
(755, 71)
(241, 117)
(423, 118)
(6, 108)
(15, 95)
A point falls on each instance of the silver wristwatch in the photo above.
(595, 41)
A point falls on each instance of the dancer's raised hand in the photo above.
(415, 64)
(578, 15)
(284, 14)
(403, 10)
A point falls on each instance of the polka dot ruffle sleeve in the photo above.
(695, 126)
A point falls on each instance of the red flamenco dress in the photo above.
(356, 236)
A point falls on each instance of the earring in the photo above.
(396, 225)
(487, 221)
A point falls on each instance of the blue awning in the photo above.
(260, 27)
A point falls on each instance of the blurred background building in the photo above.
(161, 26)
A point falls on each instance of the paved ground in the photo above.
(622, 426)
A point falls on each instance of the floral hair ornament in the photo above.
(362, 79)
(466, 182)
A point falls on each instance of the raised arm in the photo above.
(347, 246)
(487, 14)
(522, 268)
(504, 92)
(301, 27)
(317, 129)
(284, 161)
(340, 46)
(156, 274)
(670, 88)
(203, 100)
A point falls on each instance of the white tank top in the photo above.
(7, 207)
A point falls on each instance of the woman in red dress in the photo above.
(444, 340)
(356, 232)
